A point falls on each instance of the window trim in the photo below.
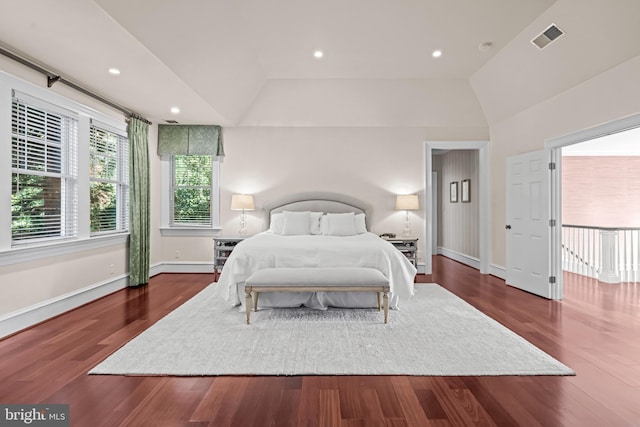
(166, 229)
(122, 181)
(172, 195)
(67, 227)
(34, 252)
(83, 241)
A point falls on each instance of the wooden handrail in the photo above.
(592, 227)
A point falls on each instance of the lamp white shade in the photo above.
(242, 202)
(407, 202)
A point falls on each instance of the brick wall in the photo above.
(601, 191)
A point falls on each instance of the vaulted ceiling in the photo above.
(251, 63)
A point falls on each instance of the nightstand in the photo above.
(409, 247)
(222, 248)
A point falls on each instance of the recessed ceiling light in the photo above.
(436, 53)
(175, 110)
(318, 54)
(114, 71)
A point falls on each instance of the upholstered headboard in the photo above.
(319, 202)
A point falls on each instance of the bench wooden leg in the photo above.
(255, 301)
(386, 305)
(247, 291)
(378, 295)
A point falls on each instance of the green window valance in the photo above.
(191, 140)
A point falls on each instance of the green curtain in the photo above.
(139, 214)
(190, 140)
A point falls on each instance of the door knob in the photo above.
(508, 227)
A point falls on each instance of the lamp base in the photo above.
(243, 224)
(406, 232)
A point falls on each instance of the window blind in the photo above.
(43, 170)
(191, 190)
(109, 178)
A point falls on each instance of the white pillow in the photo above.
(277, 223)
(324, 225)
(341, 224)
(296, 223)
(314, 222)
(361, 223)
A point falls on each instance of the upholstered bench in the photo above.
(316, 279)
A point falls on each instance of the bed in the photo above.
(325, 239)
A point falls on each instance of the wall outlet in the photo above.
(177, 254)
(112, 269)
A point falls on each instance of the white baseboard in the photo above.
(498, 271)
(156, 269)
(32, 315)
(185, 267)
(494, 269)
(460, 257)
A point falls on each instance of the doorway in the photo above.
(556, 145)
(483, 198)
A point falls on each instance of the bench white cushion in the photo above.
(318, 276)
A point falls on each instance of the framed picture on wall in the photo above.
(466, 191)
(453, 192)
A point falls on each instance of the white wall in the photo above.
(29, 284)
(587, 77)
(157, 253)
(370, 164)
(362, 138)
(611, 95)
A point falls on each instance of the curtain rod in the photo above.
(53, 78)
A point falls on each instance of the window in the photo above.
(108, 170)
(59, 149)
(44, 142)
(191, 190)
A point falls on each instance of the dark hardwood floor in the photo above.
(595, 331)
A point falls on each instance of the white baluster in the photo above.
(609, 257)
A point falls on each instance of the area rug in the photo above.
(435, 333)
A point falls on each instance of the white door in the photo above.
(528, 230)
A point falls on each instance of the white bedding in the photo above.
(269, 250)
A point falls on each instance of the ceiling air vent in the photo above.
(547, 36)
(173, 122)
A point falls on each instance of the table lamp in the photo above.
(407, 203)
(242, 202)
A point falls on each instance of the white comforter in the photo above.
(269, 250)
